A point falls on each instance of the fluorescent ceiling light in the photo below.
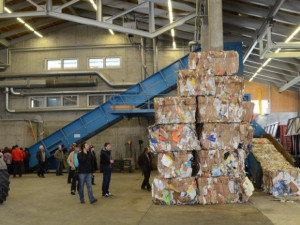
(7, 10)
(251, 79)
(20, 20)
(29, 27)
(260, 68)
(25, 24)
(292, 35)
(111, 31)
(173, 33)
(174, 44)
(38, 34)
(170, 11)
(93, 4)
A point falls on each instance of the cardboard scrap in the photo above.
(221, 190)
(215, 62)
(230, 88)
(175, 137)
(215, 163)
(193, 83)
(211, 109)
(175, 191)
(171, 110)
(175, 164)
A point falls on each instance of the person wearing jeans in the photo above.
(59, 156)
(106, 167)
(85, 171)
(73, 163)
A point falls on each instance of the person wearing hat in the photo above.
(73, 163)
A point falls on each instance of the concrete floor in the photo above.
(37, 201)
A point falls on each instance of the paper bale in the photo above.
(230, 88)
(211, 109)
(174, 137)
(175, 164)
(172, 110)
(175, 191)
(192, 83)
(215, 62)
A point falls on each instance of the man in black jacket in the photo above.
(85, 171)
(42, 158)
(92, 148)
(106, 167)
(145, 163)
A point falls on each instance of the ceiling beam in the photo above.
(291, 83)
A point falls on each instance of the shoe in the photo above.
(43, 176)
(143, 188)
(69, 182)
(106, 195)
(93, 184)
(72, 192)
(82, 202)
(148, 189)
(110, 194)
(94, 201)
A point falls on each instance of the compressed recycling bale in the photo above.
(224, 136)
(174, 137)
(175, 164)
(248, 108)
(246, 133)
(230, 88)
(221, 190)
(215, 163)
(282, 182)
(170, 110)
(175, 191)
(193, 83)
(215, 62)
(261, 141)
(211, 109)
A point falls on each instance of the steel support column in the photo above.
(2, 3)
(152, 30)
(215, 22)
(99, 10)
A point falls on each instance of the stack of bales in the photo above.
(209, 116)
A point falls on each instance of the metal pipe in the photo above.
(144, 67)
(74, 73)
(12, 91)
(39, 110)
(55, 83)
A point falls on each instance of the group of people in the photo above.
(82, 164)
(16, 159)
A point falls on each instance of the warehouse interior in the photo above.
(75, 71)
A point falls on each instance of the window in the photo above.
(53, 64)
(96, 100)
(70, 100)
(96, 63)
(70, 63)
(53, 101)
(113, 62)
(37, 102)
(264, 104)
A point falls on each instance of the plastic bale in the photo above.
(230, 88)
(193, 83)
(175, 191)
(211, 109)
(175, 137)
(215, 62)
(172, 110)
(175, 164)
(221, 136)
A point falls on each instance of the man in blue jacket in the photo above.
(106, 167)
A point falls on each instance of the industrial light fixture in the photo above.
(23, 22)
(95, 7)
(93, 4)
(278, 50)
(171, 18)
(111, 31)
